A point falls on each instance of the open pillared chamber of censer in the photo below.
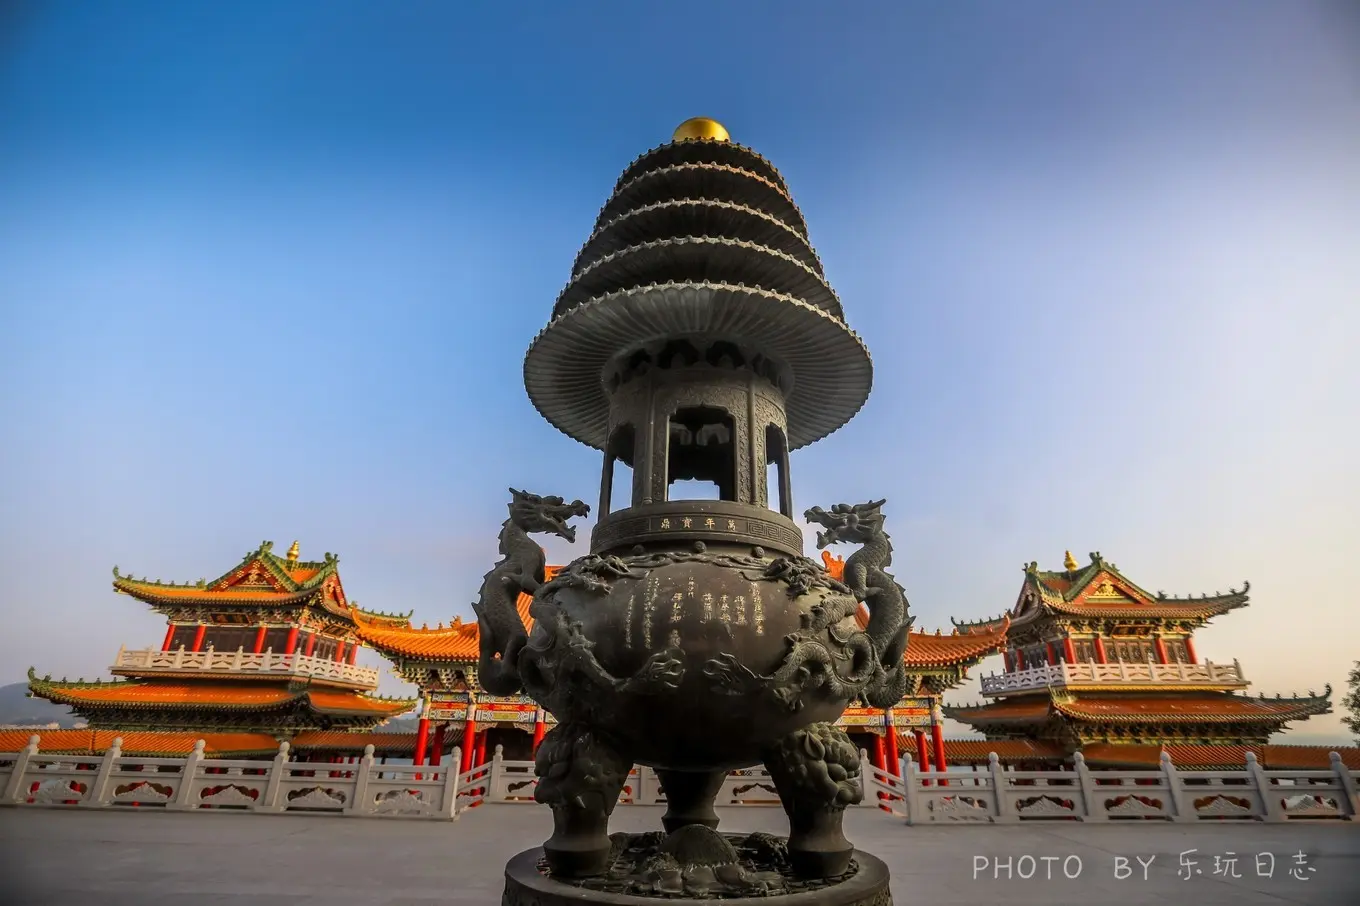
(697, 339)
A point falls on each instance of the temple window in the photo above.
(701, 462)
(325, 648)
(229, 638)
(618, 463)
(777, 478)
(184, 636)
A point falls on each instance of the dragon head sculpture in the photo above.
(545, 515)
(844, 522)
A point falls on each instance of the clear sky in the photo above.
(268, 271)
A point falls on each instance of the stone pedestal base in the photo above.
(527, 883)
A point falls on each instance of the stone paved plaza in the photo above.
(154, 858)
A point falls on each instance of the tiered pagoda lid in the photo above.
(700, 239)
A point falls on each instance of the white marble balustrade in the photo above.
(227, 663)
(1134, 674)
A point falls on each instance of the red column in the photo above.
(1161, 650)
(198, 637)
(290, 646)
(353, 652)
(469, 741)
(422, 740)
(1006, 660)
(1019, 660)
(922, 752)
(339, 649)
(880, 758)
(481, 748)
(1100, 651)
(311, 644)
(937, 733)
(894, 756)
(437, 750)
(169, 637)
(1069, 652)
(540, 728)
(259, 639)
(1190, 651)
(1052, 657)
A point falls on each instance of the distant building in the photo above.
(263, 653)
(1096, 664)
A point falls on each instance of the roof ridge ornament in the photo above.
(1069, 562)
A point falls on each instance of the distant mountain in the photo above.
(17, 708)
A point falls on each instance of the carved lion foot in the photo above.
(580, 776)
(816, 770)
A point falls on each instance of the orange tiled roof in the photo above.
(262, 577)
(338, 702)
(975, 751)
(926, 649)
(933, 650)
(1028, 709)
(1195, 707)
(458, 642)
(1307, 757)
(140, 744)
(223, 696)
(1220, 757)
(1099, 589)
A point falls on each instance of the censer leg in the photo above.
(815, 770)
(689, 797)
(580, 776)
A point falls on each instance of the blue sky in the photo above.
(268, 270)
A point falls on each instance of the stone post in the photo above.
(1270, 796)
(14, 790)
(278, 769)
(99, 788)
(1343, 776)
(647, 784)
(999, 791)
(359, 803)
(1182, 809)
(493, 790)
(188, 778)
(909, 786)
(1095, 808)
(450, 803)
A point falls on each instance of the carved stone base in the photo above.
(646, 870)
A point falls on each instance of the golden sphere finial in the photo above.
(293, 553)
(700, 127)
(1070, 562)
